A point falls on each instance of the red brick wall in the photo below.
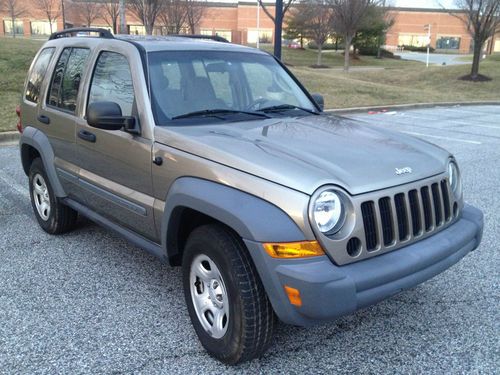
(442, 24)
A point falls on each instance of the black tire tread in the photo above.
(258, 318)
(64, 218)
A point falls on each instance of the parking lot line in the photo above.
(446, 138)
(14, 185)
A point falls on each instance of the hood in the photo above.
(308, 152)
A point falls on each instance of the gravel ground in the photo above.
(89, 302)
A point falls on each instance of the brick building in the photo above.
(237, 22)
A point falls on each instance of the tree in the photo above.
(482, 19)
(194, 13)
(89, 10)
(15, 9)
(296, 25)
(147, 11)
(348, 16)
(51, 9)
(372, 32)
(277, 20)
(173, 15)
(111, 14)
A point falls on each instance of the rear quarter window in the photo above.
(37, 74)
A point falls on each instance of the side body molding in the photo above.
(251, 217)
(31, 136)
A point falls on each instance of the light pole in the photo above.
(278, 27)
(123, 22)
(428, 28)
(258, 24)
(63, 16)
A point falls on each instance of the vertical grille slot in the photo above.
(402, 216)
(386, 220)
(368, 212)
(426, 203)
(436, 196)
(446, 200)
(415, 212)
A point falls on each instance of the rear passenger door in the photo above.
(57, 115)
(115, 166)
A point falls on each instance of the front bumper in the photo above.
(329, 291)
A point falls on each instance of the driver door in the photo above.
(115, 166)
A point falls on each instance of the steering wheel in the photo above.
(256, 104)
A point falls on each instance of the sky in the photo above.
(424, 3)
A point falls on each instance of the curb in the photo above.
(9, 137)
(407, 106)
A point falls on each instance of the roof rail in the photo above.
(216, 38)
(103, 33)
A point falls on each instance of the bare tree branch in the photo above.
(147, 11)
(111, 14)
(482, 19)
(348, 16)
(51, 9)
(286, 6)
(15, 9)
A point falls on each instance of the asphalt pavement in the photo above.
(89, 302)
(435, 58)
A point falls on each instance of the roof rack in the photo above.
(103, 33)
(208, 37)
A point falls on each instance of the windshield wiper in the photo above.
(286, 107)
(216, 112)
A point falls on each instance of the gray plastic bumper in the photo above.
(329, 291)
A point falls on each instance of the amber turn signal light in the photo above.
(293, 296)
(294, 249)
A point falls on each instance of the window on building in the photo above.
(66, 79)
(206, 32)
(42, 27)
(36, 77)
(413, 40)
(112, 81)
(224, 34)
(18, 27)
(265, 36)
(448, 42)
(137, 30)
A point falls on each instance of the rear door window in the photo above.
(34, 85)
(65, 83)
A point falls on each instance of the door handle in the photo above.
(44, 119)
(87, 136)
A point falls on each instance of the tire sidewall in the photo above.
(37, 168)
(226, 348)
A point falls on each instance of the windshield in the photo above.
(194, 86)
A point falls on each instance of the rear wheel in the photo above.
(226, 300)
(53, 216)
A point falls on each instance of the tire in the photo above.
(53, 216)
(249, 317)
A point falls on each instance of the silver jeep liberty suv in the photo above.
(213, 157)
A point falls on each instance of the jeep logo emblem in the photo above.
(405, 170)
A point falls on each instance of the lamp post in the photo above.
(63, 16)
(278, 28)
(123, 22)
(258, 24)
(428, 29)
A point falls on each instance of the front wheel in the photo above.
(226, 300)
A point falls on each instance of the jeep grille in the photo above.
(405, 215)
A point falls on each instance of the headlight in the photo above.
(328, 212)
(454, 178)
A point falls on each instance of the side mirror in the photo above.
(320, 101)
(108, 116)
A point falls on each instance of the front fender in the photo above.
(39, 141)
(251, 217)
